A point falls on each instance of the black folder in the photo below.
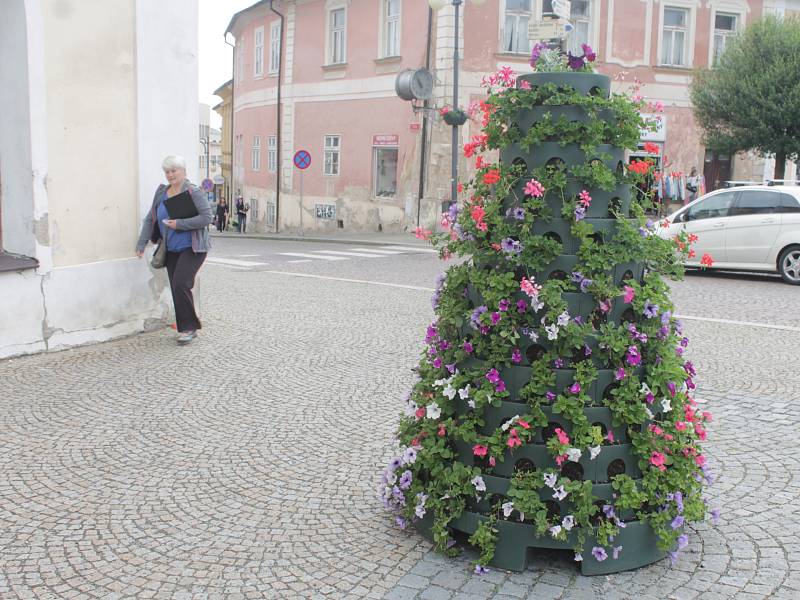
(181, 206)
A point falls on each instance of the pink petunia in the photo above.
(479, 450)
(585, 198)
(657, 460)
(563, 438)
(627, 297)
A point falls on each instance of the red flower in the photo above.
(692, 254)
(479, 450)
(422, 234)
(460, 188)
(442, 431)
(706, 260)
(640, 167)
(651, 148)
(491, 176)
(692, 238)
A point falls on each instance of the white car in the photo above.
(748, 228)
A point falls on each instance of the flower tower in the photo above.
(554, 406)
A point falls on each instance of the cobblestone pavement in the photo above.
(245, 464)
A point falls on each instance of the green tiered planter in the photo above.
(517, 540)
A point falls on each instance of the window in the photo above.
(385, 171)
(724, 29)
(270, 213)
(391, 28)
(580, 16)
(675, 36)
(712, 207)
(274, 46)
(515, 31)
(256, 162)
(258, 58)
(789, 203)
(272, 153)
(336, 36)
(756, 202)
(332, 145)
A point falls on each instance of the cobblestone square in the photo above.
(245, 464)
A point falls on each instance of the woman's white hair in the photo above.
(173, 161)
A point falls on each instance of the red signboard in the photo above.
(385, 140)
(413, 127)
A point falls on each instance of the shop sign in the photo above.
(385, 140)
(326, 211)
(655, 129)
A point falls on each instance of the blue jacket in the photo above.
(197, 225)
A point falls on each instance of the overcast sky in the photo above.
(214, 54)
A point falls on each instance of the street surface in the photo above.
(245, 465)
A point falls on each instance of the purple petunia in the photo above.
(650, 310)
(511, 246)
(468, 348)
(683, 541)
(677, 522)
(503, 304)
(517, 213)
(619, 374)
(550, 396)
(580, 212)
(405, 480)
(599, 553)
(535, 52)
(522, 306)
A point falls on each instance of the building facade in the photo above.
(224, 110)
(83, 137)
(335, 63)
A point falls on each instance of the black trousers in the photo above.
(182, 268)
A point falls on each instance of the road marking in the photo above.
(744, 323)
(351, 254)
(346, 280)
(234, 262)
(229, 267)
(374, 251)
(410, 249)
(302, 260)
(302, 255)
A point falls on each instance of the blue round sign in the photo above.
(302, 159)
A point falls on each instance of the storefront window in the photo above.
(385, 169)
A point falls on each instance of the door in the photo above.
(716, 170)
(706, 219)
(753, 227)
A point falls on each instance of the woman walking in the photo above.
(187, 242)
(222, 214)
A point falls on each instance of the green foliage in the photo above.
(750, 99)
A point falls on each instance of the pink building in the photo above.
(338, 61)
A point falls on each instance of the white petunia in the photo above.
(471, 403)
(508, 508)
(533, 335)
(433, 411)
(593, 452)
(648, 412)
(563, 319)
(552, 331)
(479, 484)
(509, 423)
(449, 391)
(666, 406)
(568, 522)
(555, 530)
(463, 393)
(441, 382)
(559, 493)
(411, 409)
(536, 305)
(574, 454)
(550, 479)
(645, 389)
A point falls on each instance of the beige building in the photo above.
(224, 110)
(92, 101)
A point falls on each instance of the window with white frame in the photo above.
(675, 36)
(391, 28)
(337, 39)
(332, 146)
(515, 28)
(274, 46)
(272, 153)
(256, 157)
(258, 58)
(581, 18)
(724, 29)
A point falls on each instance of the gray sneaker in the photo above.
(186, 337)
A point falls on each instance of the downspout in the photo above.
(423, 141)
(233, 97)
(278, 174)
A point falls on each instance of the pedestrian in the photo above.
(241, 214)
(187, 242)
(222, 215)
(692, 185)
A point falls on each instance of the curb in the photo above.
(296, 238)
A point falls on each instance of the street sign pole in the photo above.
(301, 202)
(302, 160)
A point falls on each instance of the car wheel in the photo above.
(789, 265)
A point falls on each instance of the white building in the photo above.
(92, 100)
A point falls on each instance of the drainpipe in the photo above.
(278, 136)
(231, 189)
(423, 141)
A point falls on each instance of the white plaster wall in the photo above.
(167, 82)
(98, 301)
(21, 313)
(91, 128)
